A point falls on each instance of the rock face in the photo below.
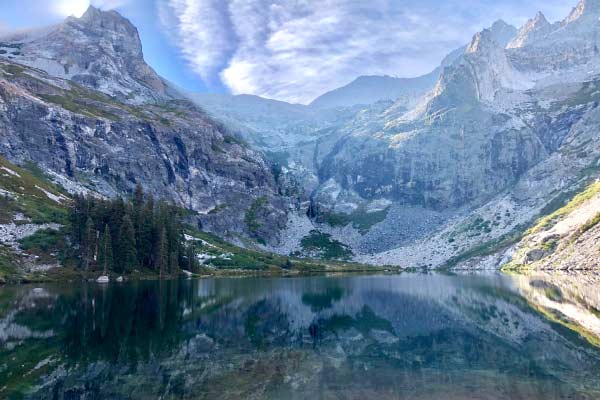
(510, 124)
(81, 102)
(100, 50)
(565, 240)
(478, 148)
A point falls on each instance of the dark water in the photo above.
(384, 337)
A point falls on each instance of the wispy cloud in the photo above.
(295, 50)
(203, 32)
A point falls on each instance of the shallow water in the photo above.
(369, 337)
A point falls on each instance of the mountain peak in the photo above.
(533, 30)
(101, 50)
(540, 19)
(90, 13)
(106, 20)
(481, 42)
(502, 33)
(499, 25)
(585, 8)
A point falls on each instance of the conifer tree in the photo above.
(162, 256)
(105, 256)
(128, 253)
(146, 236)
(88, 243)
(192, 261)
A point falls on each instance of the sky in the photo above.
(291, 50)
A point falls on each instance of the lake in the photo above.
(410, 336)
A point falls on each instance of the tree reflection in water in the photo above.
(417, 336)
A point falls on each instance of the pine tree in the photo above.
(173, 262)
(88, 244)
(162, 256)
(138, 208)
(192, 261)
(138, 198)
(105, 256)
(146, 236)
(128, 252)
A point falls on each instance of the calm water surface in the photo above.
(374, 337)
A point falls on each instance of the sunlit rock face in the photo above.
(420, 335)
(79, 100)
(566, 240)
(101, 50)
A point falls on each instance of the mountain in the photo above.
(502, 136)
(79, 100)
(100, 50)
(504, 128)
(371, 89)
(366, 90)
(501, 133)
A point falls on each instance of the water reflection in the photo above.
(409, 336)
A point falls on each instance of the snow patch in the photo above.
(10, 171)
(58, 199)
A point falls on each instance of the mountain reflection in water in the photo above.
(384, 337)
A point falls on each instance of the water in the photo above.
(370, 337)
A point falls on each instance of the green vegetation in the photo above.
(251, 217)
(120, 237)
(325, 247)
(73, 103)
(13, 69)
(28, 194)
(229, 258)
(47, 244)
(230, 139)
(103, 241)
(8, 264)
(361, 219)
(551, 219)
(487, 248)
(549, 245)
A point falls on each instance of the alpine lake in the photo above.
(408, 336)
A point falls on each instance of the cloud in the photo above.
(295, 50)
(65, 8)
(202, 31)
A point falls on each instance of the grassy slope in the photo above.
(22, 191)
(546, 223)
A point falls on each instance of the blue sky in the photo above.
(291, 50)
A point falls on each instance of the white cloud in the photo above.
(201, 30)
(65, 8)
(295, 50)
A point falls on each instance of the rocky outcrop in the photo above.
(101, 50)
(105, 119)
(566, 239)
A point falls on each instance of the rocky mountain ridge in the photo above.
(506, 129)
(80, 101)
